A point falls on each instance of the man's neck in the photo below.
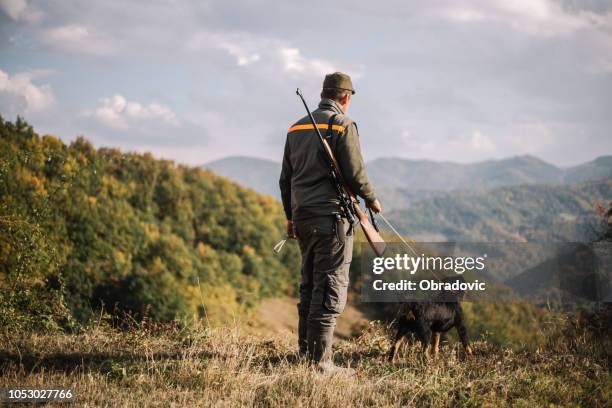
(331, 102)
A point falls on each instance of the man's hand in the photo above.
(374, 206)
(291, 230)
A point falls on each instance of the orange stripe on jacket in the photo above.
(319, 125)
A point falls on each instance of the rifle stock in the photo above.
(372, 235)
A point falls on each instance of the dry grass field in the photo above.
(169, 366)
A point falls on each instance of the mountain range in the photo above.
(447, 176)
(402, 182)
(517, 199)
(258, 174)
(525, 213)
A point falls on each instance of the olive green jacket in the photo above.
(305, 185)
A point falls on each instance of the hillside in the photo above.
(523, 213)
(86, 231)
(594, 170)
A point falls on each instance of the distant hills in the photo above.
(447, 176)
(518, 199)
(401, 182)
(542, 212)
(597, 169)
(258, 174)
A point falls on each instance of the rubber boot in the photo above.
(320, 351)
(319, 345)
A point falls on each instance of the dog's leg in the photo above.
(400, 337)
(461, 330)
(424, 334)
(391, 356)
(436, 343)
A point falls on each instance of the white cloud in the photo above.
(20, 10)
(117, 112)
(537, 17)
(481, 143)
(245, 50)
(294, 62)
(78, 39)
(465, 14)
(275, 54)
(19, 95)
(243, 56)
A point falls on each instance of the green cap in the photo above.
(338, 80)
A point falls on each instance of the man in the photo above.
(315, 218)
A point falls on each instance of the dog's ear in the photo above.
(409, 315)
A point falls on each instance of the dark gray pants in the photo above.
(327, 251)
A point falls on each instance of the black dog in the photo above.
(428, 319)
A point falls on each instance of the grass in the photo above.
(167, 366)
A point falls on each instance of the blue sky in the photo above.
(195, 81)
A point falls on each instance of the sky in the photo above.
(195, 81)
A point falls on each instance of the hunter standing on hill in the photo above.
(313, 214)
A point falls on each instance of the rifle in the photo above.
(348, 201)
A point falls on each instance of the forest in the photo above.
(88, 231)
